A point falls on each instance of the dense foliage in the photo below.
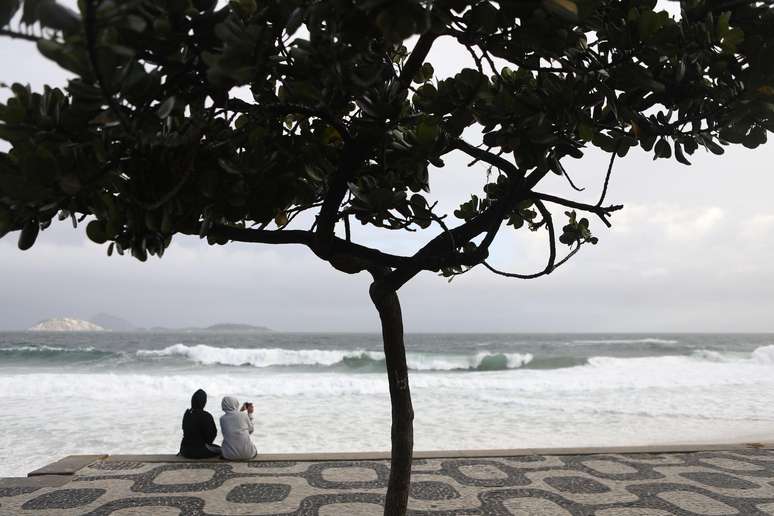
(185, 117)
(228, 120)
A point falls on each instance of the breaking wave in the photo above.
(357, 359)
(649, 340)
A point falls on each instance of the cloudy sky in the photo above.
(691, 251)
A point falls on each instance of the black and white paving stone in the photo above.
(705, 483)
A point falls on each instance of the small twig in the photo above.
(502, 164)
(537, 274)
(445, 228)
(416, 58)
(241, 106)
(567, 177)
(549, 221)
(607, 177)
(19, 35)
(600, 211)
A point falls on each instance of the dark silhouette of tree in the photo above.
(229, 121)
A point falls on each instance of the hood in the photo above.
(199, 400)
(230, 404)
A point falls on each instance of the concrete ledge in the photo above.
(454, 454)
(67, 466)
(35, 482)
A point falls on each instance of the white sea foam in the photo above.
(273, 357)
(710, 355)
(261, 357)
(649, 340)
(46, 349)
(760, 355)
(609, 401)
(483, 360)
(764, 354)
(601, 373)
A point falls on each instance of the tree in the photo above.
(228, 122)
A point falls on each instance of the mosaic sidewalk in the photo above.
(737, 481)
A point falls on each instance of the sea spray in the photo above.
(647, 340)
(354, 359)
(764, 354)
(509, 391)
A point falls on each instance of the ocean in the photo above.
(69, 393)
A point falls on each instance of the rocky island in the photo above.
(66, 324)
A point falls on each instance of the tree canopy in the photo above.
(185, 117)
(229, 120)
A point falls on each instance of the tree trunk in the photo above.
(402, 434)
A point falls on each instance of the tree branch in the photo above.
(241, 106)
(416, 59)
(487, 157)
(340, 247)
(537, 274)
(551, 236)
(607, 177)
(326, 220)
(436, 253)
(261, 236)
(19, 35)
(328, 216)
(600, 211)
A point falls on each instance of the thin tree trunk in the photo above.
(388, 306)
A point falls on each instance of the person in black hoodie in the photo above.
(199, 430)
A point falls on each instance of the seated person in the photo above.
(199, 430)
(237, 425)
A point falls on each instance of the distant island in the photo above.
(66, 324)
(216, 328)
(235, 327)
(107, 322)
(112, 322)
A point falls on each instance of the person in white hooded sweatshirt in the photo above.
(236, 425)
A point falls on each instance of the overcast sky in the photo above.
(692, 251)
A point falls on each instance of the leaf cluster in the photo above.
(183, 117)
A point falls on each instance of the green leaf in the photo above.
(679, 156)
(484, 17)
(67, 56)
(604, 142)
(467, 210)
(650, 22)
(424, 74)
(56, 16)
(516, 220)
(566, 9)
(6, 221)
(95, 230)
(295, 20)
(136, 23)
(713, 147)
(662, 149)
(7, 10)
(732, 39)
(723, 24)
(585, 132)
(29, 234)
(165, 109)
(426, 133)
(245, 8)
(30, 12)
